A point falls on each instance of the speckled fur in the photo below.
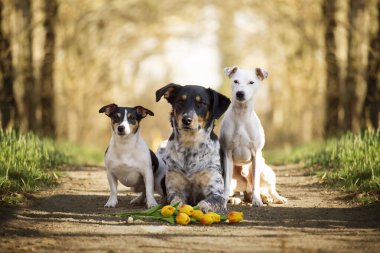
(194, 169)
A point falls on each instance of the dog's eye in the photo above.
(236, 81)
(251, 82)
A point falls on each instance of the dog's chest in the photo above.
(190, 160)
(242, 145)
(126, 166)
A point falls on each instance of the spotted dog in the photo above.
(128, 159)
(192, 153)
(242, 138)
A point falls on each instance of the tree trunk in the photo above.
(8, 108)
(332, 70)
(226, 41)
(356, 69)
(47, 70)
(25, 63)
(371, 107)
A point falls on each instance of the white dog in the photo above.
(242, 138)
(129, 160)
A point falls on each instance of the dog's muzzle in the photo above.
(121, 130)
(186, 121)
(240, 95)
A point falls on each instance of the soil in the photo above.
(71, 218)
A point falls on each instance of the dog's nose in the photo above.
(121, 129)
(186, 120)
(240, 95)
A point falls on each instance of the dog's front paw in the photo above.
(176, 200)
(112, 202)
(266, 199)
(204, 206)
(151, 203)
(256, 201)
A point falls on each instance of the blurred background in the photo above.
(61, 60)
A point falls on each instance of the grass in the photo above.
(27, 163)
(83, 155)
(350, 163)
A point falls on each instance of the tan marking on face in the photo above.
(168, 92)
(129, 115)
(183, 97)
(198, 98)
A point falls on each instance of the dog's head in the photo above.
(194, 107)
(125, 120)
(244, 82)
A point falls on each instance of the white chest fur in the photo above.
(127, 160)
(242, 135)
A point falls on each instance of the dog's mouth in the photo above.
(188, 129)
(240, 99)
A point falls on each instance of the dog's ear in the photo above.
(229, 71)
(167, 91)
(261, 73)
(108, 109)
(143, 112)
(220, 103)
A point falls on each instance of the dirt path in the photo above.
(69, 218)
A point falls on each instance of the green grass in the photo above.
(27, 163)
(350, 163)
(84, 155)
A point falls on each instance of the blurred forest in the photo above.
(61, 60)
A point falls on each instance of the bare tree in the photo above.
(25, 62)
(332, 69)
(355, 79)
(8, 108)
(371, 107)
(48, 125)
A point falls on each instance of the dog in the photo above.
(129, 160)
(192, 153)
(242, 139)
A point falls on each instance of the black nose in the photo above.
(240, 95)
(186, 120)
(120, 128)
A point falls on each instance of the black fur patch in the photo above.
(221, 153)
(163, 186)
(154, 159)
(106, 150)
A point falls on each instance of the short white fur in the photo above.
(127, 160)
(242, 136)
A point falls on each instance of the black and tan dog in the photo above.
(192, 154)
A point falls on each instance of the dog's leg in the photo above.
(228, 171)
(149, 189)
(177, 187)
(211, 183)
(256, 169)
(269, 177)
(112, 181)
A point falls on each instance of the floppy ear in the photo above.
(167, 91)
(143, 112)
(108, 109)
(229, 71)
(220, 103)
(261, 73)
